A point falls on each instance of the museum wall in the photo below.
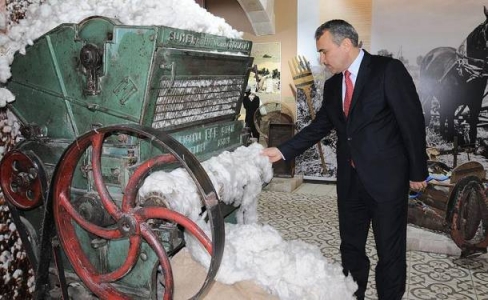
(358, 12)
(285, 33)
(232, 12)
(389, 27)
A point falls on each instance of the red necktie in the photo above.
(349, 90)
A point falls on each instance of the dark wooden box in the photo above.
(279, 133)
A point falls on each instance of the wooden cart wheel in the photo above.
(469, 220)
(130, 220)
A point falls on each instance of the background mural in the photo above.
(443, 44)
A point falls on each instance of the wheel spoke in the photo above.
(102, 232)
(170, 215)
(138, 177)
(167, 270)
(105, 198)
(132, 257)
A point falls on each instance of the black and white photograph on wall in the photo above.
(264, 79)
(445, 49)
(312, 164)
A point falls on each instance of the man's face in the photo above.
(333, 56)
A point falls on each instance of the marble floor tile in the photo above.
(310, 214)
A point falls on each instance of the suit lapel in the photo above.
(363, 75)
(338, 97)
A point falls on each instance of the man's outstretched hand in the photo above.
(273, 153)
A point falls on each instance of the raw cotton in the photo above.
(289, 269)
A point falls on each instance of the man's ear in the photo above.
(347, 43)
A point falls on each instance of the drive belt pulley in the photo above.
(131, 222)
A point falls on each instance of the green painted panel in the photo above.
(211, 139)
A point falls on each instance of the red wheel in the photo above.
(23, 179)
(130, 221)
(469, 223)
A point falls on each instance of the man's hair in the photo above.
(340, 30)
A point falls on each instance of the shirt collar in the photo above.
(354, 67)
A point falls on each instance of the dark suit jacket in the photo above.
(251, 108)
(384, 133)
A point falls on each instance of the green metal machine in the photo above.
(102, 106)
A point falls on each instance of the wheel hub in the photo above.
(23, 179)
(128, 225)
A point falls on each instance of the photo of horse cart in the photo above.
(452, 87)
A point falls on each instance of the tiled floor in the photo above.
(309, 213)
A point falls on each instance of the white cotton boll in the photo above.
(24, 24)
(33, 10)
(84, 6)
(20, 254)
(4, 40)
(31, 284)
(5, 96)
(9, 58)
(3, 20)
(15, 32)
(22, 50)
(45, 11)
(5, 257)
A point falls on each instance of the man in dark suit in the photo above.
(372, 103)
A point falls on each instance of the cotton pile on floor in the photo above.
(40, 18)
(288, 269)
